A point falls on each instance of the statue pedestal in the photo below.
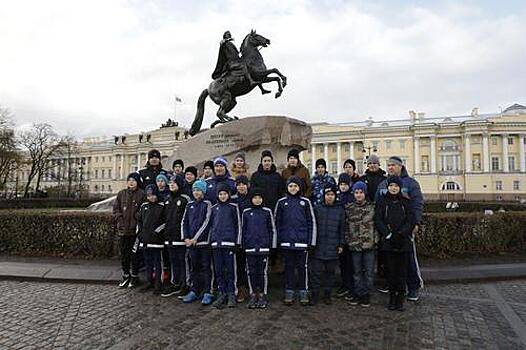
(250, 135)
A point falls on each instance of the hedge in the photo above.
(43, 203)
(87, 234)
(440, 207)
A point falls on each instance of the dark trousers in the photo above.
(153, 263)
(414, 279)
(380, 264)
(178, 266)
(296, 260)
(241, 260)
(397, 263)
(128, 258)
(200, 269)
(346, 269)
(322, 274)
(257, 267)
(225, 270)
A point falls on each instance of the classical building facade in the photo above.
(470, 157)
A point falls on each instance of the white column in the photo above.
(121, 175)
(433, 154)
(521, 153)
(416, 155)
(86, 169)
(139, 165)
(467, 153)
(485, 151)
(326, 152)
(351, 149)
(114, 171)
(313, 158)
(338, 157)
(505, 164)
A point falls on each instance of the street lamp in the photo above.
(81, 168)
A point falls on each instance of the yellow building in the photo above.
(471, 157)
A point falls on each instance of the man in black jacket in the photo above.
(152, 169)
(373, 176)
(268, 180)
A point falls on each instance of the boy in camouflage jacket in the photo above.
(361, 237)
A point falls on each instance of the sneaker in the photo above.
(353, 300)
(134, 282)
(125, 281)
(184, 290)
(220, 302)
(342, 292)
(289, 297)
(262, 302)
(170, 290)
(253, 301)
(231, 301)
(364, 301)
(207, 299)
(384, 289)
(304, 297)
(413, 295)
(190, 297)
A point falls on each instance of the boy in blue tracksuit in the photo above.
(162, 184)
(195, 233)
(242, 199)
(225, 235)
(150, 224)
(296, 230)
(175, 206)
(258, 237)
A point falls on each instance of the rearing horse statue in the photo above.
(231, 84)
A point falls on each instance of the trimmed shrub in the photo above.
(42, 203)
(440, 207)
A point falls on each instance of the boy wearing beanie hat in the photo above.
(361, 238)
(178, 166)
(162, 184)
(395, 220)
(221, 175)
(175, 206)
(225, 235)
(330, 220)
(124, 212)
(296, 168)
(258, 237)
(150, 226)
(208, 170)
(195, 232)
(344, 194)
(319, 180)
(152, 169)
(190, 175)
(242, 199)
(297, 231)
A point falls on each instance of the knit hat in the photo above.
(373, 158)
(178, 161)
(154, 154)
(266, 153)
(200, 185)
(359, 185)
(297, 180)
(209, 164)
(344, 178)
(321, 161)
(350, 161)
(220, 160)
(293, 153)
(136, 177)
(191, 169)
(394, 179)
(162, 177)
(241, 179)
(178, 179)
(240, 155)
(257, 192)
(396, 160)
(152, 189)
(223, 187)
(329, 188)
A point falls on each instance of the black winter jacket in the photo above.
(373, 180)
(150, 224)
(394, 220)
(174, 208)
(271, 183)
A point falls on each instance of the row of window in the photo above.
(454, 186)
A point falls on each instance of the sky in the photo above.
(109, 67)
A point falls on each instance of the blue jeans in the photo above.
(363, 264)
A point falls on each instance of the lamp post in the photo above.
(81, 168)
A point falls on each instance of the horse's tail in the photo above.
(198, 120)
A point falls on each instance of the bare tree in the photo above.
(9, 155)
(41, 143)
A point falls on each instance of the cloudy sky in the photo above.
(105, 67)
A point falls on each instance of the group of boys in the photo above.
(203, 230)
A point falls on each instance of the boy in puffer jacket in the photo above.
(296, 229)
(195, 233)
(150, 224)
(330, 219)
(175, 206)
(395, 221)
(258, 237)
(361, 237)
(225, 235)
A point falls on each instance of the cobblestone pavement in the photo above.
(81, 316)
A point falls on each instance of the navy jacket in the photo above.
(258, 231)
(295, 223)
(225, 230)
(196, 222)
(318, 183)
(211, 191)
(330, 220)
(174, 208)
(150, 224)
(344, 197)
(242, 201)
(187, 189)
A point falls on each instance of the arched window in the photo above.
(450, 186)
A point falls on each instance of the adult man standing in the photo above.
(221, 175)
(152, 169)
(296, 168)
(373, 176)
(268, 180)
(410, 189)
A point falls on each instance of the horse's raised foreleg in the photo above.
(276, 71)
(263, 90)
